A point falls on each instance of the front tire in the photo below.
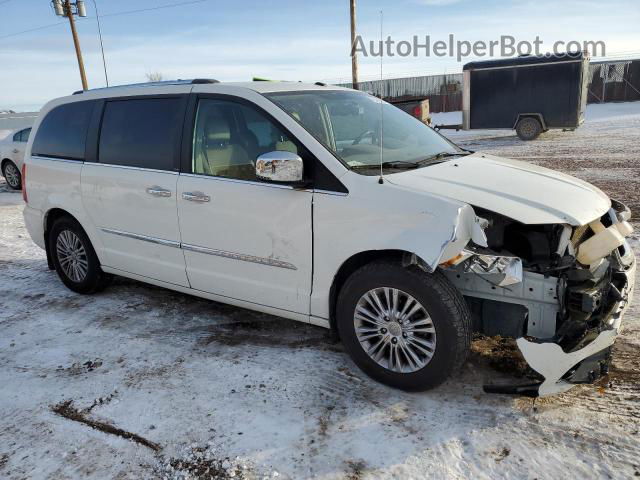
(403, 327)
(74, 258)
(12, 175)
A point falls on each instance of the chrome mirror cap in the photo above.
(279, 166)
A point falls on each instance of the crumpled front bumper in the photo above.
(550, 361)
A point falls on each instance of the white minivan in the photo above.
(329, 206)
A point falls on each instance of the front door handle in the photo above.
(157, 191)
(196, 197)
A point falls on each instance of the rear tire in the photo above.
(12, 175)
(74, 258)
(528, 128)
(438, 334)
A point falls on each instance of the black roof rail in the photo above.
(195, 81)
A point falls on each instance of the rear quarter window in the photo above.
(63, 131)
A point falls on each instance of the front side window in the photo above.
(141, 133)
(63, 132)
(229, 136)
(361, 129)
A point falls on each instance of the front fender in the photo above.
(374, 217)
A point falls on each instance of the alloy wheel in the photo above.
(395, 330)
(72, 256)
(12, 175)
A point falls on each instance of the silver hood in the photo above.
(518, 190)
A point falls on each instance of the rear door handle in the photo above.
(157, 191)
(196, 197)
(15, 150)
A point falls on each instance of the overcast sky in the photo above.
(277, 39)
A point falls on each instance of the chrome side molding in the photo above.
(144, 238)
(272, 262)
(239, 256)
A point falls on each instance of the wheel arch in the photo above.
(49, 218)
(537, 116)
(357, 261)
(6, 161)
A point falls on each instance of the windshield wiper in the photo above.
(408, 165)
(391, 164)
(439, 156)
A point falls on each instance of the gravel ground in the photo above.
(141, 382)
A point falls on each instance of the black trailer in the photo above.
(530, 94)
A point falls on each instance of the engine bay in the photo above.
(555, 298)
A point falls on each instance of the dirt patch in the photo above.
(141, 375)
(4, 458)
(355, 469)
(502, 454)
(101, 401)
(67, 410)
(200, 463)
(204, 469)
(324, 420)
(80, 368)
(501, 354)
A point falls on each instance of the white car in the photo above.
(328, 206)
(12, 155)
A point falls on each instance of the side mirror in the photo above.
(279, 166)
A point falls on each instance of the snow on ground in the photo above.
(247, 395)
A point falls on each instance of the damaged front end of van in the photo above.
(559, 289)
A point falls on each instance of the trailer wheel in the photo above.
(528, 128)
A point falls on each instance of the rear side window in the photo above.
(63, 132)
(141, 133)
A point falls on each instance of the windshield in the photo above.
(349, 124)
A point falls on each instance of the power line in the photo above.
(31, 29)
(115, 14)
(159, 7)
(104, 62)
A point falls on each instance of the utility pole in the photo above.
(65, 8)
(354, 57)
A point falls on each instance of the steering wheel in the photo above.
(359, 138)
